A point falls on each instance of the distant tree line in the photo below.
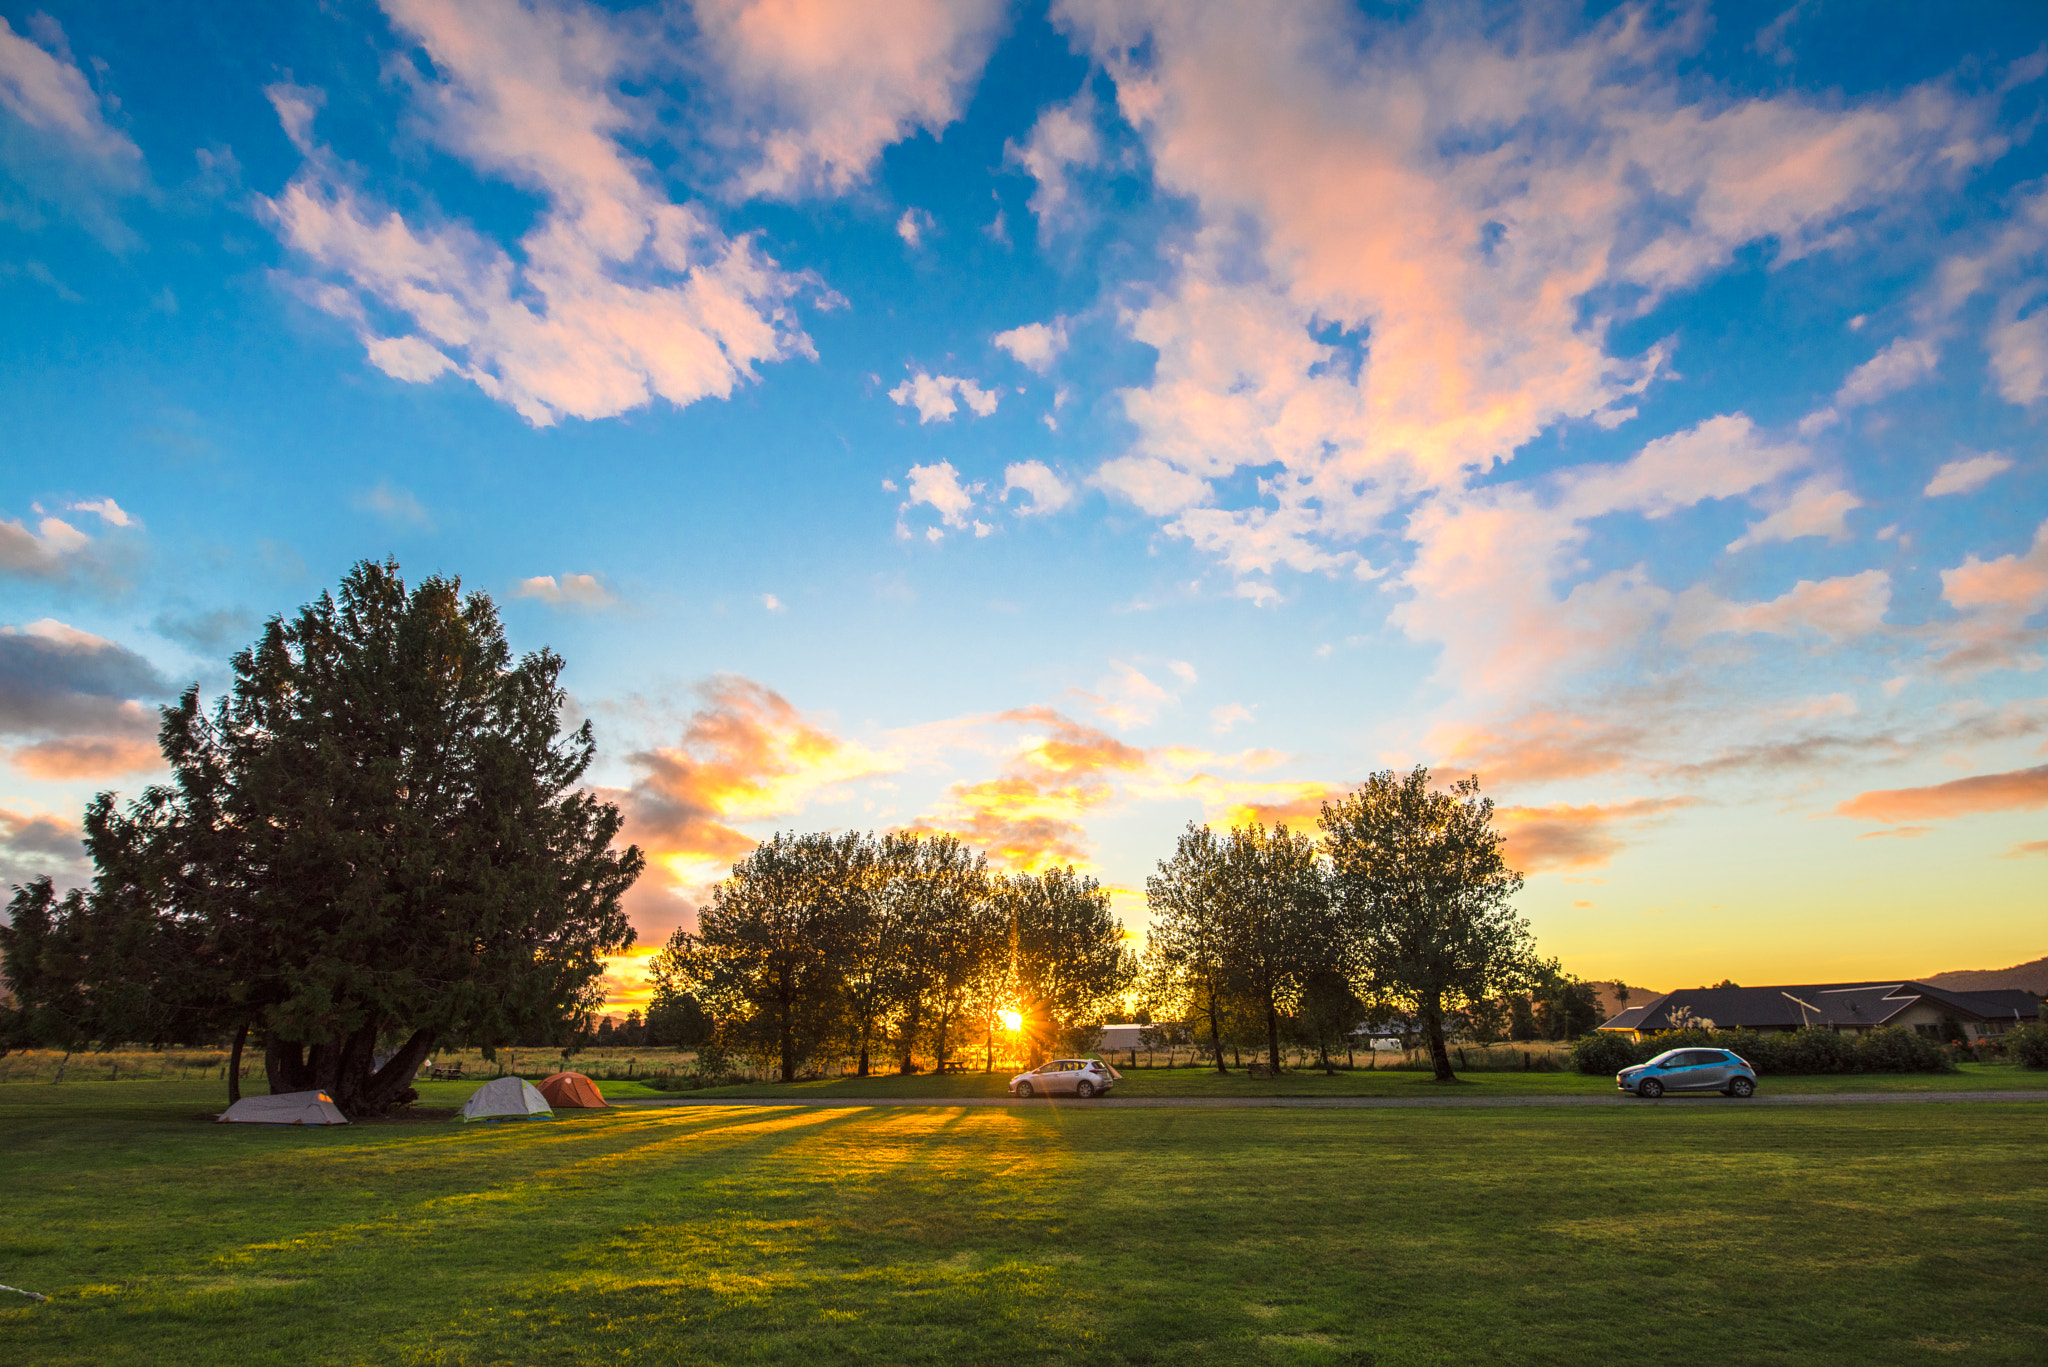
(873, 952)
(1401, 912)
(826, 949)
(376, 844)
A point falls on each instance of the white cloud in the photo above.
(1036, 345)
(2019, 356)
(1818, 507)
(619, 297)
(1063, 139)
(773, 604)
(1839, 609)
(939, 486)
(60, 152)
(932, 397)
(1049, 493)
(1488, 563)
(394, 505)
(585, 591)
(108, 511)
(1966, 474)
(1229, 715)
(1482, 203)
(912, 227)
(52, 549)
(815, 89)
(1127, 696)
(1901, 365)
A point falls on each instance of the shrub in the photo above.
(1899, 1050)
(1604, 1052)
(2029, 1045)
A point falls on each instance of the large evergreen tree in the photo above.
(373, 843)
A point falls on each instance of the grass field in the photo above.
(1714, 1233)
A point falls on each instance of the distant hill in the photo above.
(1611, 1005)
(2033, 977)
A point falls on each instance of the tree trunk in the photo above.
(391, 1085)
(863, 1052)
(1273, 1036)
(346, 1071)
(1216, 1034)
(285, 1067)
(1433, 1028)
(908, 1065)
(235, 1063)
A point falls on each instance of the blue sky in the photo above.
(1059, 424)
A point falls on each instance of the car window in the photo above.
(1667, 1059)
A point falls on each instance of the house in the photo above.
(1851, 1008)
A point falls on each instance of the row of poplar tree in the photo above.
(827, 947)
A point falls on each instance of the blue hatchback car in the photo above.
(1689, 1070)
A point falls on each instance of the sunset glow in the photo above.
(1054, 426)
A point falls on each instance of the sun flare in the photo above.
(1012, 1020)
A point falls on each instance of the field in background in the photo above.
(669, 1068)
(646, 1073)
(1712, 1233)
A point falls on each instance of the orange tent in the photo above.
(570, 1090)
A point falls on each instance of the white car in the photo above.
(1081, 1077)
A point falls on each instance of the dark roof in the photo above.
(1792, 1005)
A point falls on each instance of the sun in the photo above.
(1012, 1020)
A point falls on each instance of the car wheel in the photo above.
(1024, 1090)
(1649, 1089)
(1741, 1087)
(1085, 1090)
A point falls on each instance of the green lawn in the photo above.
(1715, 1233)
(1384, 1082)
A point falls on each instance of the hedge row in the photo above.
(1779, 1054)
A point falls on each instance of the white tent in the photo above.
(506, 1098)
(288, 1108)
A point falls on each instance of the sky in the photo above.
(1059, 424)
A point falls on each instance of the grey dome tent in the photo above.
(286, 1108)
(506, 1098)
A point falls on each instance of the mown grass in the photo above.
(1714, 1233)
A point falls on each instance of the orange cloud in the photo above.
(1295, 803)
(1028, 818)
(86, 757)
(1561, 836)
(2022, 790)
(1022, 823)
(746, 755)
(1538, 747)
(1995, 600)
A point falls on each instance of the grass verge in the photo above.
(1384, 1082)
